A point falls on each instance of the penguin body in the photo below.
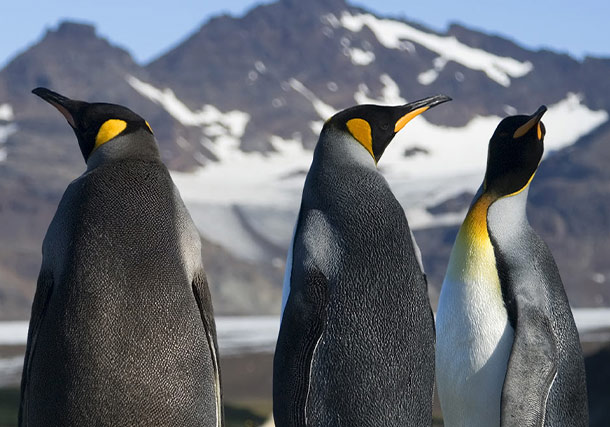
(508, 351)
(356, 342)
(122, 329)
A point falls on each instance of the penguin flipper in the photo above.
(201, 291)
(301, 329)
(532, 366)
(44, 289)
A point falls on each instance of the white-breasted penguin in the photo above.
(508, 351)
(122, 329)
(356, 342)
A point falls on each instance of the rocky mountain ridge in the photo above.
(236, 109)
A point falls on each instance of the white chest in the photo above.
(474, 338)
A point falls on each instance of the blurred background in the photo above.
(237, 94)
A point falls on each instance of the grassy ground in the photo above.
(9, 403)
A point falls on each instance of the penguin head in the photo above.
(95, 124)
(515, 150)
(374, 126)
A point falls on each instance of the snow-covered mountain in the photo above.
(237, 108)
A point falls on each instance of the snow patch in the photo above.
(599, 278)
(13, 333)
(234, 121)
(5, 132)
(568, 120)
(222, 193)
(390, 93)
(510, 110)
(316, 126)
(428, 77)
(324, 110)
(223, 130)
(248, 178)
(247, 334)
(6, 112)
(361, 57)
(260, 67)
(331, 20)
(391, 33)
(590, 319)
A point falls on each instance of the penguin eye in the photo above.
(385, 126)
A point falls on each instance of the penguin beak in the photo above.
(409, 111)
(67, 107)
(533, 121)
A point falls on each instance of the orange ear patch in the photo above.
(361, 130)
(110, 129)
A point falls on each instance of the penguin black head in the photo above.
(94, 123)
(515, 150)
(374, 126)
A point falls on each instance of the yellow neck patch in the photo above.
(407, 118)
(475, 224)
(361, 130)
(149, 128)
(110, 129)
(472, 259)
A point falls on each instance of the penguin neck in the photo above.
(472, 260)
(474, 229)
(134, 146)
(336, 149)
(507, 218)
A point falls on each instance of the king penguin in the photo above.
(356, 341)
(508, 351)
(122, 330)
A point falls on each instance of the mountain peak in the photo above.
(75, 29)
(315, 5)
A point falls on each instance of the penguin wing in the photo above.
(532, 366)
(300, 331)
(201, 291)
(44, 289)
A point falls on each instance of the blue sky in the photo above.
(148, 29)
